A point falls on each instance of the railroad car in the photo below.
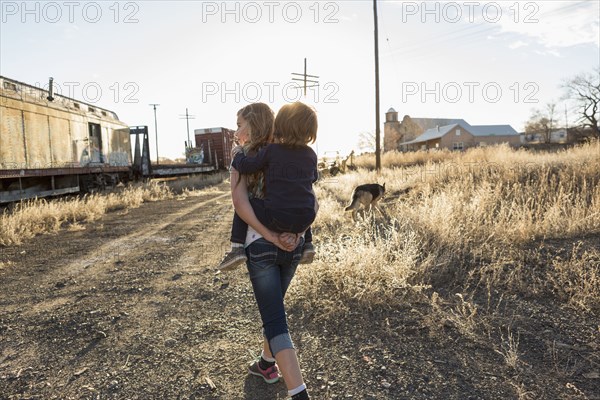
(51, 144)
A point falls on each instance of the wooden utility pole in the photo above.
(377, 131)
(187, 117)
(155, 132)
(305, 79)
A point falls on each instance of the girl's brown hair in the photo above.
(260, 119)
(296, 125)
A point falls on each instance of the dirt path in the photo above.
(130, 308)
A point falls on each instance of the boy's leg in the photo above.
(308, 252)
(239, 228)
(237, 255)
(258, 206)
(308, 235)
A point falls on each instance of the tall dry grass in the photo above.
(37, 216)
(466, 221)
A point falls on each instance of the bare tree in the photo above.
(542, 122)
(366, 141)
(584, 90)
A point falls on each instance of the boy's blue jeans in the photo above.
(271, 271)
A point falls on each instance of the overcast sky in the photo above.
(485, 62)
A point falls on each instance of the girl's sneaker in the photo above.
(270, 375)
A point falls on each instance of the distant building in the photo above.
(216, 145)
(556, 136)
(439, 133)
(396, 132)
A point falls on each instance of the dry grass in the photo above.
(196, 182)
(38, 216)
(467, 220)
(393, 159)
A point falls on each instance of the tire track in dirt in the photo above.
(124, 247)
(131, 308)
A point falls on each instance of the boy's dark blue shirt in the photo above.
(289, 174)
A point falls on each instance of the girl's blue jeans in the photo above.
(271, 271)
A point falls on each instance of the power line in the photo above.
(305, 79)
(187, 117)
(306, 82)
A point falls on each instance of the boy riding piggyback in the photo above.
(255, 133)
(290, 168)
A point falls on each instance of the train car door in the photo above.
(95, 143)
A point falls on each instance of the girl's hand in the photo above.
(290, 240)
(284, 241)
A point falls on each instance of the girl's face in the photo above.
(243, 132)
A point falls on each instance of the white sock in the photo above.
(264, 357)
(235, 245)
(297, 390)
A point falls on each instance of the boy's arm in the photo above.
(248, 165)
(239, 195)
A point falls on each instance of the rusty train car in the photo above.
(217, 144)
(53, 145)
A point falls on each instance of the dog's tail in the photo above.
(355, 203)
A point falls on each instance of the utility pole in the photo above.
(377, 131)
(187, 117)
(306, 81)
(156, 131)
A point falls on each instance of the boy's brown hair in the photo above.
(260, 118)
(296, 125)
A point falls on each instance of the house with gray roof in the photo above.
(439, 133)
(461, 135)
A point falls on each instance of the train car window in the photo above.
(76, 105)
(91, 109)
(10, 86)
(103, 113)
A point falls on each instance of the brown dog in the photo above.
(366, 196)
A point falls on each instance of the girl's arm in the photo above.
(239, 195)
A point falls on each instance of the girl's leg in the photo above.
(287, 359)
(290, 368)
(271, 270)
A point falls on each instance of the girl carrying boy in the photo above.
(289, 204)
(255, 131)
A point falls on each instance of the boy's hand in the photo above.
(235, 150)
